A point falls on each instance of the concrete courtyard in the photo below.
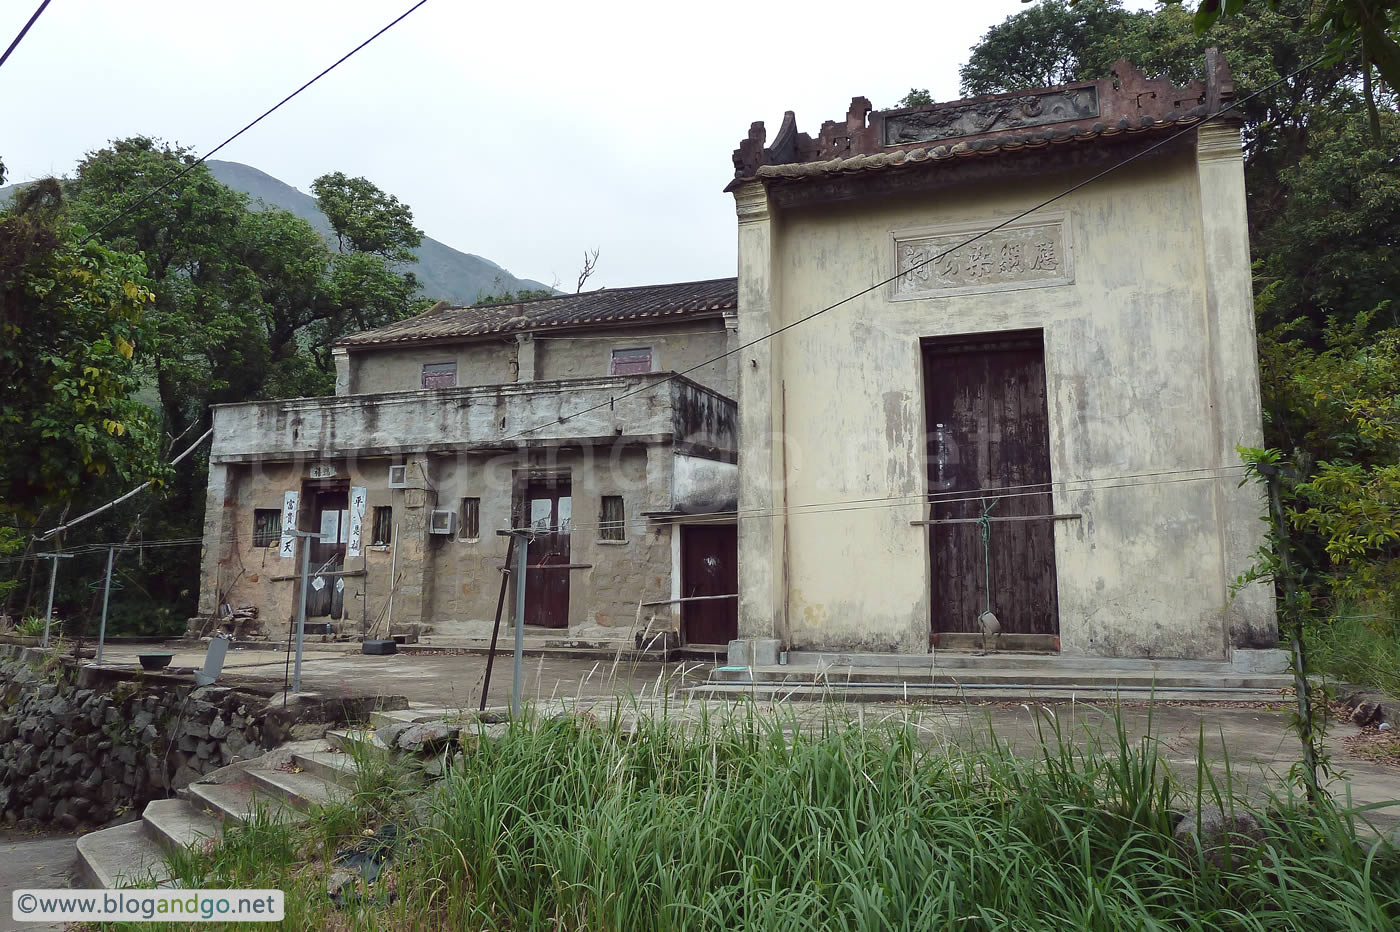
(1252, 741)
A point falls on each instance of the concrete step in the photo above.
(350, 740)
(121, 856)
(898, 692)
(1003, 659)
(238, 800)
(330, 766)
(174, 823)
(999, 675)
(409, 716)
(302, 790)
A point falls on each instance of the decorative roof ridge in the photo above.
(988, 122)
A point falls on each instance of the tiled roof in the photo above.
(974, 148)
(607, 306)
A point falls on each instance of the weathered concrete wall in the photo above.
(400, 369)
(451, 583)
(550, 355)
(1150, 367)
(74, 751)
(497, 416)
(675, 348)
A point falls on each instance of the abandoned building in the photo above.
(1081, 375)
(451, 426)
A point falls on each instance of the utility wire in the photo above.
(1194, 126)
(197, 162)
(15, 44)
(1135, 480)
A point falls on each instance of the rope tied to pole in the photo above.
(984, 525)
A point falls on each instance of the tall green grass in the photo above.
(757, 821)
(1359, 647)
(756, 824)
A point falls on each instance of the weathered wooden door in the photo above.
(549, 506)
(331, 517)
(709, 567)
(988, 429)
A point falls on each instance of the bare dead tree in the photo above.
(590, 263)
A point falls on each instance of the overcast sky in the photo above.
(524, 132)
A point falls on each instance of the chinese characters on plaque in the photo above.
(357, 521)
(287, 549)
(1016, 257)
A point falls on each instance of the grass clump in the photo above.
(752, 822)
(1358, 647)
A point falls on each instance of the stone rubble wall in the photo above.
(79, 751)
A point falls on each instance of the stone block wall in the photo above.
(79, 751)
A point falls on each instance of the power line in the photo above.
(15, 44)
(1072, 486)
(199, 161)
(1194, 126)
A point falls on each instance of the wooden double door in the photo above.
(988, 433)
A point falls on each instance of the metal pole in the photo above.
(521, 556)
(301, 602)
(48, 614)
(106, 592)
(506, 573)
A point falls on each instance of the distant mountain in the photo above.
(442, 271)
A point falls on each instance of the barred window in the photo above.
(383, 526)
(267, 526)
(471, 518)
(613, 524)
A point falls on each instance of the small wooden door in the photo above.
(709, 567)
(988, 428)
(549, 508)
(331, 517)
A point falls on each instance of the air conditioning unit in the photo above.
(443, 521)
(398, 477)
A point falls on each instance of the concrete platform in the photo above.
(948, 674)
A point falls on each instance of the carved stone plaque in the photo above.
(991, 116)
(1026, 256)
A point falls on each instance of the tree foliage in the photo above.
(72, 318)
(366, 219)
(1050, 43)
(117, 347)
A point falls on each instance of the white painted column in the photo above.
(217, 502)
(762, 580)
(341, 356)
(525, 357)
(1234, 377)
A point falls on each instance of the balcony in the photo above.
(696, 420)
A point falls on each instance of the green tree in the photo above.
(71, 323)
(1367, 27)
(1050, 43)
(514, 297)
(365, 218)
(205, 346)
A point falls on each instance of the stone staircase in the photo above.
(285, 783)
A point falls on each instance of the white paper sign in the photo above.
(318, 583)
(357, 521)
(288, 547)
